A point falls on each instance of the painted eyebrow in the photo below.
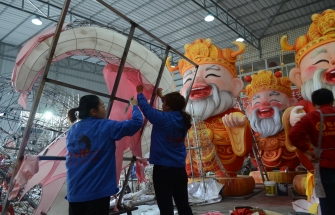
(317, 52)
(213, 67)
(188, 73)
(255, 97)
(274, 93)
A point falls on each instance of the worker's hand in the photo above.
(159, 93)
(311, 156)
(133, 101)
(296, 114)
(231, 121)
(139, 89)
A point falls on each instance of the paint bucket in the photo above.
(270, 188)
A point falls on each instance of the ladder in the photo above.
(255, 149)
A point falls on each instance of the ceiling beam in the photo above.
(44, 28)
(147, 44)
(1, 12)
(273, 17)
(163, 24)
(257, 11)
(302, 6)
(290, 28)
(239, 6)
(23, 21)
(231, 22)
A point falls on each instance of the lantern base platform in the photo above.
(234, 186)
(278, 177)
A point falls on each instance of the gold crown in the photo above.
(265, 80)
(321, 31)
(204, 52)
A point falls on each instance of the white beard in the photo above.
(269, 126)
(315, 84)
(217, 103)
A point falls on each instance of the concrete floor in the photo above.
(279, 204)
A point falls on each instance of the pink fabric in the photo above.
(127, 88)
(23, 100)
(28, 168)
(24, 53)
(140, 167)
(51, 175)
(30, 45)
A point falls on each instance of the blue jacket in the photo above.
(167, 136)
(90, 159)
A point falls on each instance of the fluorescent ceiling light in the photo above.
(240, 39)
(48, 115)
(36, 20)
(209, 18)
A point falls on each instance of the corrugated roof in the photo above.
(176, 22)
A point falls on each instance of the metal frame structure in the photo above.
(231, 22)
(111, 97)
(158, 50)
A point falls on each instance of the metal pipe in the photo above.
(37, 8)
(27, 11)
(160, 74)
(199, 148)
(119, 72)
(52, 158)
(190, 88)
(126, 181)
(84, 89)
(144, 30)
(189, 148)
(255, 148)
(158, 80)
(37, 98)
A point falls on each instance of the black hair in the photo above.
(322, 96)
(177, 103)
(86, 103)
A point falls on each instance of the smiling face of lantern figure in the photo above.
(213, 92)
(317, 70)
(266, 110)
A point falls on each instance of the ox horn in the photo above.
(241, 48)
(285, 45)
(168, 65)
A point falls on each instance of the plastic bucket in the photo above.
(270, 188)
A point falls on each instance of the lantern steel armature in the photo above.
(36, 102)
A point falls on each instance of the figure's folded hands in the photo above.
(233, 121)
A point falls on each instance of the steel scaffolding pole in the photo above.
(37, 98)
(119, 72)
(144, 30)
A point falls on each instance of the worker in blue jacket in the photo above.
(90, 159)
(168, 151)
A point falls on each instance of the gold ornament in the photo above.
(265, 80)
(204, 52)
(320, 32)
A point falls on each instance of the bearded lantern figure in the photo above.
(269, 97)
(315, 59)
(212, 99)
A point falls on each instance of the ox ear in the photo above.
(237, 86)
(295, 77)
